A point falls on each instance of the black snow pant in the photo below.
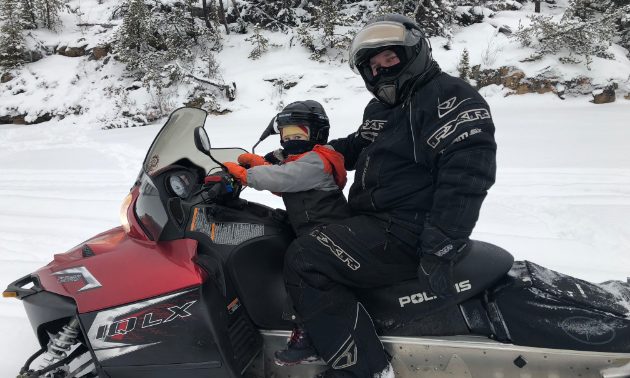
(320, 270)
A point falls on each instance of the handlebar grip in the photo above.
(216, 188)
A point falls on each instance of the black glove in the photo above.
(275, 157)
(439, 254)
(440, 275)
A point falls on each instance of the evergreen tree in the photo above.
(161, 44)
(435, 17)
(133, 39)
(27, 13)
(329, 17)
(581, 9)
(624, 32)
(275, 15)
(583, 37)
(259, 42)
(47, 12)
(283, 11)
(12, 46)
(329, 14)
(463, 66)
(623, 23)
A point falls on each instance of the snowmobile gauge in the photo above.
(179, 185)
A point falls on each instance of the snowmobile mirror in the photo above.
(272, 129)
(202, 142)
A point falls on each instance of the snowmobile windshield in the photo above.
(149, 208)
(380, 34)
(175, 143)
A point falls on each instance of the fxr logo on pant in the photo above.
(336, 250)
(422, 297)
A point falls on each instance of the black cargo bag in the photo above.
(535, 306)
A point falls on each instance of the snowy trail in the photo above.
(562, 197)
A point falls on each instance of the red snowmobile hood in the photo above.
(123, 269)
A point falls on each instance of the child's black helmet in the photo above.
(401, 35)
(305, 113)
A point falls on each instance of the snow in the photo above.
(562, 197)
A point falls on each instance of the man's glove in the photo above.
(439, 254)
(239, 173)
(275, 157)
(251, 160)
(439, 273)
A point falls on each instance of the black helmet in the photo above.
(301, 113)
(305, 113)
(404, 37)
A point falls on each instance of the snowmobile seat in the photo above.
(395, 306)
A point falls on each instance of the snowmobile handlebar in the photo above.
(212, 188)
(216, 188)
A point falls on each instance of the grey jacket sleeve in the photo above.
(297, 176)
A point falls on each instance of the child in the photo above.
(312, 175)
(309, 177)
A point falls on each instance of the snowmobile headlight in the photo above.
(9, 294)
(123, 213)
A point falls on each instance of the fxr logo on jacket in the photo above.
(449, 128)
(370, 127)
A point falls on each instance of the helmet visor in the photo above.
(380, 34)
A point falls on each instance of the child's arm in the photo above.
(297, 176)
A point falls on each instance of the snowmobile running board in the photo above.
(460, 357)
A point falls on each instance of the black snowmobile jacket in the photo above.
(430, 159)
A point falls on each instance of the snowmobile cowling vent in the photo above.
(87, 251)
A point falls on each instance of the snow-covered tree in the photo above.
(162, 43)
(134, 40)
(259, 42)
(472, 16)
(587, 37)
(463, 66)
(329, 18)
(623, 23)
(275, 15)
(624, 31)
(47, 12)
(435, 17)
(27, 14)
(12, 46)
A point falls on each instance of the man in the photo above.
(424, 159)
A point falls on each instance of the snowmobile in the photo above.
(190, 285)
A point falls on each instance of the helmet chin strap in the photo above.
(387, 94)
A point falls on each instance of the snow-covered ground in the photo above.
(562, 197)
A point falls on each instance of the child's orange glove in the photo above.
(239, 173)
(251, 160)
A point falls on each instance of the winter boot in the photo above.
(299, 349)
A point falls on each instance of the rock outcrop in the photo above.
(515, 79)
(605, 95)
(5, 78)
(20, 119)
